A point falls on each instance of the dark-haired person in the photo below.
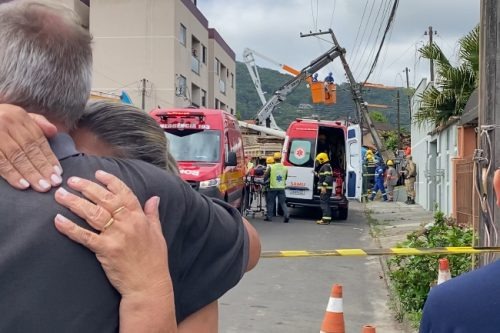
(49, 284)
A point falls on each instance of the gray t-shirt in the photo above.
(48, 283)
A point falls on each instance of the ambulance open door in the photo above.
(354, 166)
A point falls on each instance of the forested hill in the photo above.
(299, 104)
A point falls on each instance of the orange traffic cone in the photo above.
(333, 322)
(368, 329)
(444, 271)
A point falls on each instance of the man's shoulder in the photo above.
(136, 174)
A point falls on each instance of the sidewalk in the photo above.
(390, 222)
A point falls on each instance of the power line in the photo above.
(355, 50)
(333, 11)
(361, 54)
(389, 25)
(385, 13)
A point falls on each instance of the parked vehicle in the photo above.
(305, 138)
(208, 147)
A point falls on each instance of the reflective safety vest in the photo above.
(325, 176)
(278, 176)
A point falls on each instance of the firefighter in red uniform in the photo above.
(325, 185)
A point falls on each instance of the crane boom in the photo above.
(280, 95)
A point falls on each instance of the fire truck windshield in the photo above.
(197, 146)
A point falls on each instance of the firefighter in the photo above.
(325, 185)
(277, 174)
(379, 181)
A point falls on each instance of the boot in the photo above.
(323, 222)
(407, 200)
(412, 201)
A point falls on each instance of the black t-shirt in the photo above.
(48, 283)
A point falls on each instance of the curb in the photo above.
(395, 303)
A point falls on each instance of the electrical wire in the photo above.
(333, 11)
(389, 25)
(482, 157)
(356, 51)
(375, 41)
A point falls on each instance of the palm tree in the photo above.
(448, 96)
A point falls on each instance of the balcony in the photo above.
(222, 86)
(195, 65)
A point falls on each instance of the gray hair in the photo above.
(45, 60)
(130, 132)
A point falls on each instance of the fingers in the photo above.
(151, 209)
(117, 195)
(25, 155)
(95, 215)
(78, 234)
(48, 129)
(117, 187)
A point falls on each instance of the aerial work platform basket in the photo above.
(323, 93)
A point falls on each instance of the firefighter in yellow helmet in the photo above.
(276, 174)
(325, 186)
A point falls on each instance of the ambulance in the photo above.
(208, 147)
(305, 138)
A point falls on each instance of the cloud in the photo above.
(272, 28)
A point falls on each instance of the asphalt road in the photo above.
(290, 295)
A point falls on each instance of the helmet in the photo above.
(390, 163)
(277, 156)
(369, 152)
(322, 158)
(269, 160)
(330, 73)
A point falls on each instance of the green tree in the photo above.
(377, 116)
(454, 84)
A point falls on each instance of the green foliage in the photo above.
(412, 276)
(377, 116)
(454, 85)
(391, 140)
(248, 102)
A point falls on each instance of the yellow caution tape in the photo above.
(398, 251)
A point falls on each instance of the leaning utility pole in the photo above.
(430, 33)
(407, 70)
(399, 122)
(143, 94)
(487, 156)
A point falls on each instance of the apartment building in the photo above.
(160, 52)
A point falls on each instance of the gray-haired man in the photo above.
(48, 283)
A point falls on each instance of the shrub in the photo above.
(413, 276)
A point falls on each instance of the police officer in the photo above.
(277, 174)
(410, 174)
(325, 185)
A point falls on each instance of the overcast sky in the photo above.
(272, 27)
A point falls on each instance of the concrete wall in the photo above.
(141, 39)
(433, 152)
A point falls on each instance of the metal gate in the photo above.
(464, 191)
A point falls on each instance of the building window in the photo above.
(232, 111)
(217, 103)
(204, 54)
(217, 66)
(232, 80)
(182, 35)
(181, 86)
(203, 98)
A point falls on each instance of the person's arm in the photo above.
(205, 320)
(254, 245)
(25, 155)
(130, 247)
